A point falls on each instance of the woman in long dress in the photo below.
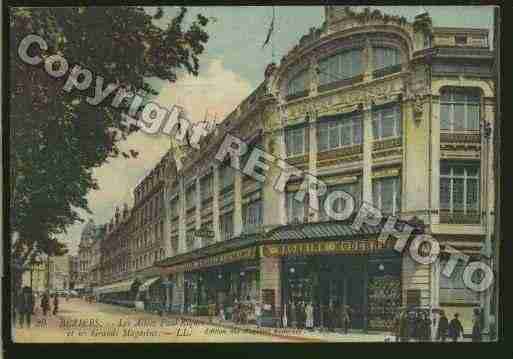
(309, 316)
(284, 319)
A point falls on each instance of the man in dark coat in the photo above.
(476, 326)
(443, 327)
(45, 303)
(24, 306)
(55, 304)
(455, 328)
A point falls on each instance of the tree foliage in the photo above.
(56, 137)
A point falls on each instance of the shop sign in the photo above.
(235, 256)
(330, 247)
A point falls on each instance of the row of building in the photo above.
(387, 110)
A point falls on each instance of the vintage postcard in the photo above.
(253, 174)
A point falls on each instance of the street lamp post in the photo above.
(486, 133)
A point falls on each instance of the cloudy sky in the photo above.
(232, 66)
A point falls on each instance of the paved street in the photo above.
(79, 321)
(105, 323)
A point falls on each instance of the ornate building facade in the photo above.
(384, 109)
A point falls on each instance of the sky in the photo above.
(230, 69)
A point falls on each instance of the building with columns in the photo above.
(384, 109)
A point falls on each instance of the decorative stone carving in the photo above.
(418, 107)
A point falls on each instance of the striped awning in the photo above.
(146, 285)
(115, 287)
(321, 230)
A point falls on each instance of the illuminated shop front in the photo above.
(362, 274)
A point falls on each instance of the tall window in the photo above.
(226, 175)
(190, 194)
(207, 186)
(386, 57)
(252, 214)
(459, 187)
(386, 195)
(295, 141)
(343, 131)
(295, 209)
(459, 110)
(226, 225)
(338, 205)
(386, 122)
(341, 66)
(174, 208)
(298, 83)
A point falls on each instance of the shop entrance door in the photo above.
(355, 298)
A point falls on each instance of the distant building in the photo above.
(59, 278)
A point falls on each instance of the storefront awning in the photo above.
(146, 285)
(114, 288)
(321, 230)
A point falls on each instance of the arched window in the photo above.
(343, 65)
(298, 83)
(459, 109)
(387, 60)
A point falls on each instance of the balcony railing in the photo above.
(459, 217)
(385, 71)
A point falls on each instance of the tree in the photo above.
(56, 137)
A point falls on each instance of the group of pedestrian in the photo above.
(413, 325)
(307, 315)
(417, 326)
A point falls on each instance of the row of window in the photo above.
(459, 193)
(345, 130)
(159, 174)
(344, 65)
(459, 111)
(148, 259)
(150, 210)
(148, 238)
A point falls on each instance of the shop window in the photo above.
(386, 122)
(344, 131)
(295, 141)
(459, 110)
(341, 66)
(459, 189)
(386, 195)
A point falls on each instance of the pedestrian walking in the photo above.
(331, 317)
(45, 304)
(25, 306)
(476, 325)
(346, 318)
(455, 328)
(292, 314)
(443, 327)
(285, 316)
(55, 304)
(309, 316)
(403, 327)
